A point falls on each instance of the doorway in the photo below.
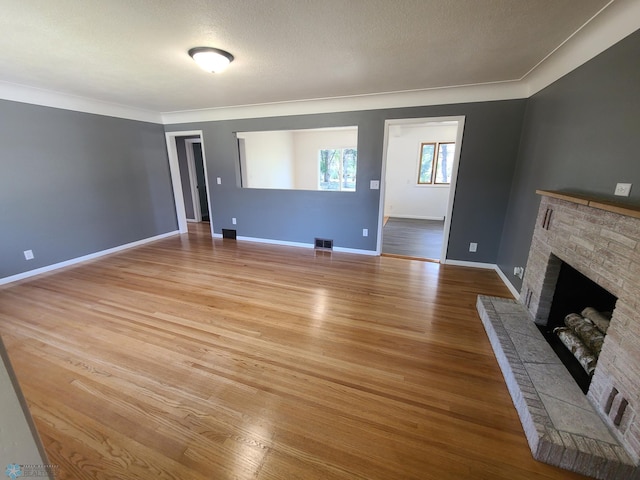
(197, 181)
(189, 178)
(419, 173)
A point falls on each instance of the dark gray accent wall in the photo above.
(580, 134)
(72, 184)
(487, 159)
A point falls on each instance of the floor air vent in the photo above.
(324, 244)
(228, 233)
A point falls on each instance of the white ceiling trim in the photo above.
(48, 98)
(414, 98)
(616, 21)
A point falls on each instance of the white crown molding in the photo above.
(617, 20)
(47, 98)
(413, 98)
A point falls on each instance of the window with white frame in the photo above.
(337, 169)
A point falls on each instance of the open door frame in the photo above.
(454, 175)
(176, 182)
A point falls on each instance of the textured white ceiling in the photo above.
(134, 52)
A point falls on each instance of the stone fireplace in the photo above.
(601, 240)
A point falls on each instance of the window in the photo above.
(337, 169)
(427, 152)
(436, 163)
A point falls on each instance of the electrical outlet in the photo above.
(518, 272)
(623, 189)
(473, 247)
(233, 220)
(28, 255)
(219, 181)
(374, 185)
(365, 232)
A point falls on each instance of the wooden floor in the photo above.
(200, 358)
(413, 237)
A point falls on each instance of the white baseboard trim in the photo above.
(415, 217)
(463, 263)
(305, 245)
(514, 291)
(489, 266)
(84, 258)
(275, 242)
(357, 251)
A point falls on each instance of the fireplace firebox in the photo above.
(574, 295)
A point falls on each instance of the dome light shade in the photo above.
(210, 59)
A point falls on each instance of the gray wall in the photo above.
(487, 159)
(73, 183)
(580, 134)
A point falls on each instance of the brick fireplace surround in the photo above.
(602, 241)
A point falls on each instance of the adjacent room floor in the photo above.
(200, 358)
(413, 238)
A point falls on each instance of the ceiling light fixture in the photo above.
(210, 59)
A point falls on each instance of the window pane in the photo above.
(427, 151)
(349, 168)
(329, 169)
(337, 169)
(445, 162)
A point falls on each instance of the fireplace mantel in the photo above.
(594, 202)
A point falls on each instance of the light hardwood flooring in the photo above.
(200, 358)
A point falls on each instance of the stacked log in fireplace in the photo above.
(583, 335)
